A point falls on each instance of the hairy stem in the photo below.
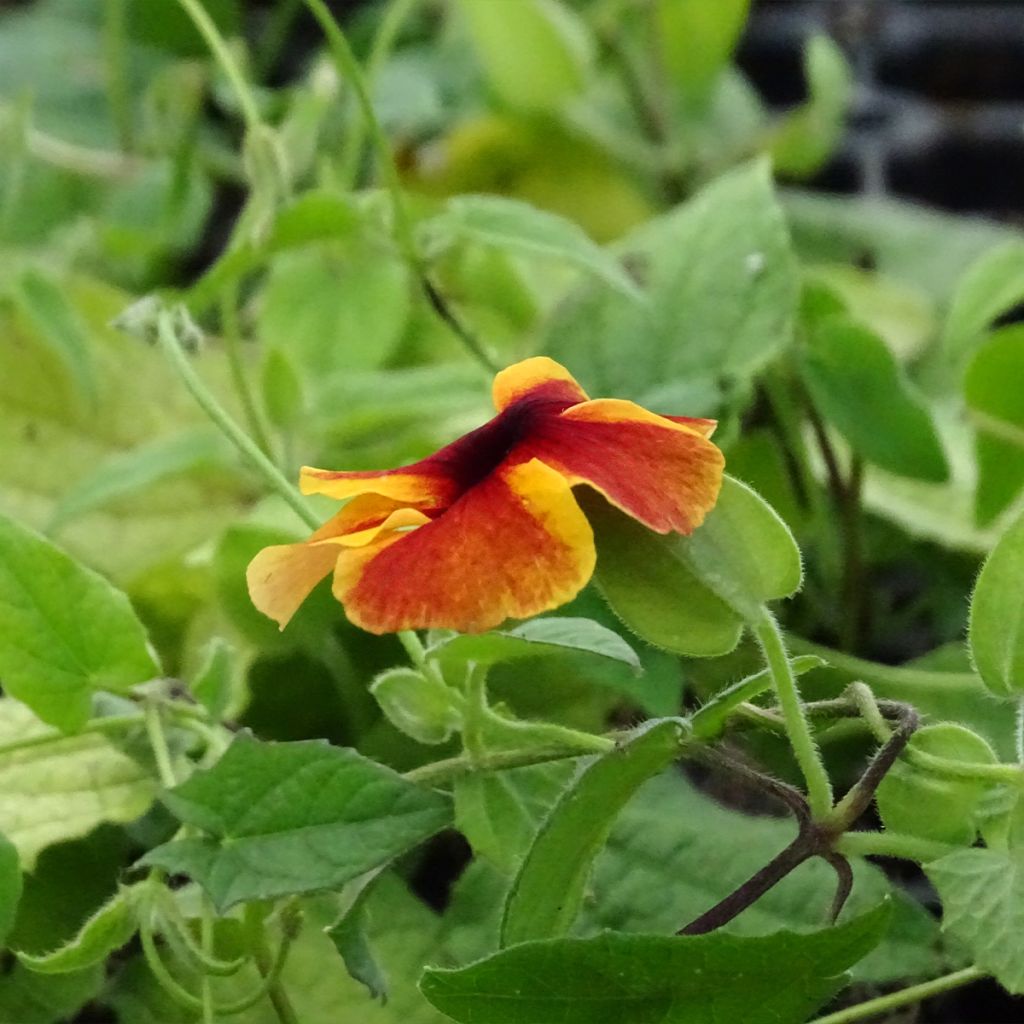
(171, 344)
(441, 772)
(892, 844)
(805, 749)
(904, 997)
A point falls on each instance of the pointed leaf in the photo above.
(286, 818)
(67, 632)
(649, 979)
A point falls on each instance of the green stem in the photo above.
(1010, 774)
(167, 981)
(115, 52)
(383, 41)
(709, 720)
(350, 71)
(206, 985)
(269, 969)
(1018, 734)
(904, 997)
(441, 772)
(218, 47)
(171, 345)
(547, 733)
(232, 336)
(808, 757)
(475, 713)
(158, 742)
(892, 844)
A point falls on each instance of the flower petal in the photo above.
(698, 423)
(425, 485)
(281, 577)
(513, 545)
(663, 473)
(536, 378)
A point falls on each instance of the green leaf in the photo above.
(63, 789)
(216, 680)
(692, 594)
(521, 229)
(996, 630)
(133, 472)
(499, 812)
(108, 929)
(535, 639)
(48, 309)
(286, 818)
(697, 40)
(546, 894)
(282, 390)
(982, 895)
(418, 704)
(334, 309)
(859, 387)
(67, 631)
(674, 852)
(992, 284)
(913, 800)
(351, 941)
(535, 53)
(650, 979)
(993, 394)
(10, 886)
(806, 137)
(30, 998)
(722, 287)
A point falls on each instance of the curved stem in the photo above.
(904, 997)
(383, 42)
(167, 335)
(441, 772)
(805, 749)
(158, 743)
(269, 969)
(218, 47)
(167, 981)
(232, 337)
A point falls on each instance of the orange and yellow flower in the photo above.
(487, 528)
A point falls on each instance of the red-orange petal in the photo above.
(698, 423)
(512, 546)
(536, 378)
(663, 473)
(282, 576)
(424, 485)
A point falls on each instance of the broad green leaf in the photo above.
(859, 387)
(652, 979)
(134, 472)
(535, 53)
(284, 818)
(10, 886)
(67, 631)
(30, 998)
(540, 637)
(50, 440)
(996, 402)
(806, 137)
(108, 929)
(697, 39)
(48, 309)
(546, 893)
(996, 632)
(60, 790)
(418, 704)
(348, 933)
(992, 284)
(521, 229)
(499, 812)
(913, 800)
(333, 310)
(982, 894)
(722, 286)
(692, 594)
(675, 852)
(908, 242)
